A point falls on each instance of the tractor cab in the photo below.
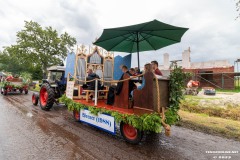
(56, 75)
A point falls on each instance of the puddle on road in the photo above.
(29, 114)
(43, 124)
(19, 106)
(59, 137)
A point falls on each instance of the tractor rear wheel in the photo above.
(130, 134)
(46, 97)
(35, 99)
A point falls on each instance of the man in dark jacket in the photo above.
(91, 76)
(119, 85)
(116, 89)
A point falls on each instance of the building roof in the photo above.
(56, 68)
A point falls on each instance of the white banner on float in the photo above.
(101, 121)
(69, 89)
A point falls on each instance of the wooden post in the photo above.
(222, 81)
(96, 91)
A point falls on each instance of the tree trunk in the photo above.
(44, 69)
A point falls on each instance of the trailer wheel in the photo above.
(46, 97)
(76, 115)
(21, 91)
(4, 92)
(35, 99)
(130, 134)
(26, 91)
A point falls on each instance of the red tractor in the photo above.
(51, 89)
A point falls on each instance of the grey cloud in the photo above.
(65, 16)
(213, 33)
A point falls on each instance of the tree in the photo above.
(41, 47)
(238, 7)
(11, 63)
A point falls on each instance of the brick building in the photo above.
(222, 78)
(218, 74)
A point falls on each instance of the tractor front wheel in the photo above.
(46, 97)
(130, 134)
(35, 99)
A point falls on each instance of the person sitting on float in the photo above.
(125, 70)
(147, 68)
(133, 72)
(137, 70)
(131, 84)
(156, 70)
(92, 76)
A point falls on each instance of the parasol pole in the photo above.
(138, 51)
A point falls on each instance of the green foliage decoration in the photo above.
(177, 84)
(26, 77)
(146, 122)
(5, 84)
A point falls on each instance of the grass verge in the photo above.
(210, 109)
(211, 125)
(228, 90)
(36, 89)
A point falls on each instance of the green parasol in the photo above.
(147, 36)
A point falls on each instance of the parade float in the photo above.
(12, 84)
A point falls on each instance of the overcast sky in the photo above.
(213, 31)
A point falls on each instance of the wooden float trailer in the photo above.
(153, 98)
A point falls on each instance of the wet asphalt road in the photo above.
(27, 132)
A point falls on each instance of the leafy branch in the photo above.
(238, 7)
(177, 84)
